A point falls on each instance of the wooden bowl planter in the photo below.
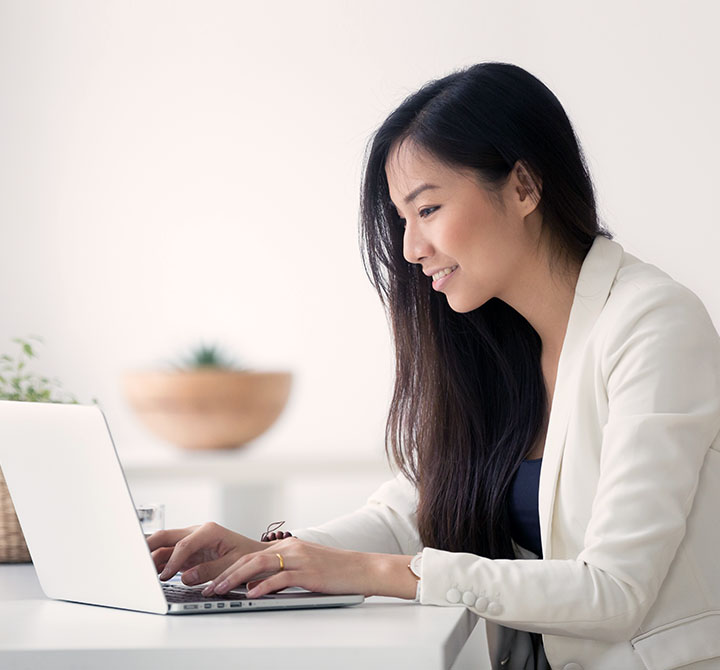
(210, 408)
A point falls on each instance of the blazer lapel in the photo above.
(596, 277)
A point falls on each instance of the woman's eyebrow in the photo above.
(416, 192)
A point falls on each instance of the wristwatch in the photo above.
(415, 567)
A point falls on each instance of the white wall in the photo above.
(177, 170)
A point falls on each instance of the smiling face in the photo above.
(452, 221)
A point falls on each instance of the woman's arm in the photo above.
(386, 524)
(315, 567)
(361, 552)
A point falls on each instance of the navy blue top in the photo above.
(523, 508)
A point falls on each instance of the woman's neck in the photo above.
(545, 299)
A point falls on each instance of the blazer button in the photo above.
(453, 596)
(495, 609)
(481, 604)
(573, 666)
(469, 598)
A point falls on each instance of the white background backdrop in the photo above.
(172, 171)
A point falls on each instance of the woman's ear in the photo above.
(529, 186)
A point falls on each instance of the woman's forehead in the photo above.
(407, 160)
(408, 166)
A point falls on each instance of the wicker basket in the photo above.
(12, 543)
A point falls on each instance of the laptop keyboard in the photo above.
(188, 594)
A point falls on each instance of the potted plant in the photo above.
(207, 401)
(17, 383)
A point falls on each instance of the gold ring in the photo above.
(282, 563)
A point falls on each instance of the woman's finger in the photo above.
(276, 582)
(168, 538)
(257, 566)
(160, 557)
(199, 574)
(199, 539)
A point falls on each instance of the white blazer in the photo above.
(629, 490)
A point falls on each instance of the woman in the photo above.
(555, 399)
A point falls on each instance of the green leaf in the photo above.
(27, 386)
(208, 356)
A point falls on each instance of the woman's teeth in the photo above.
(443, 273)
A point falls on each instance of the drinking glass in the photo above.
(152, 517)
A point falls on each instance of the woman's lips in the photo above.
(439, 283)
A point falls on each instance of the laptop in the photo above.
(80, 523)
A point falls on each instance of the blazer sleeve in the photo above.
(661, 368)
(386, 524)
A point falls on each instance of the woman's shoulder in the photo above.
(636, 277)
(651, 316)
(642, 291)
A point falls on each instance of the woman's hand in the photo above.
(200, 552)
(316, 568)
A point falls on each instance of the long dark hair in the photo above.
(469, 398)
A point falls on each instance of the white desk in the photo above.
(37, 633)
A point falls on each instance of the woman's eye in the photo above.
(427, 211)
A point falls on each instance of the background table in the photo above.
(38, 633)
(246, 490)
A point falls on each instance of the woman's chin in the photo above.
(463, 306)
(459, 306)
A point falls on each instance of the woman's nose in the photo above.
(415, 246)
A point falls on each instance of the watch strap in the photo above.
(415, 566)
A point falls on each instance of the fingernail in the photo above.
(252, 593)
(190, 577)
(222, 587)
(208, 590)
(163, 575)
